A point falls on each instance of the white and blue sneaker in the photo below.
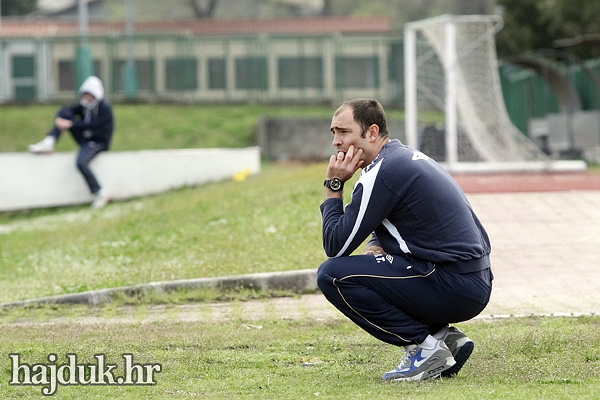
(461, 348)
(419, 363)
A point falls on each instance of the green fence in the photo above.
(527, 94)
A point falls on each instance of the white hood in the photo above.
(93, 86)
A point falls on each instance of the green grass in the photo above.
(266, 223)
(158, 126)
(269, 222)
(529, 358)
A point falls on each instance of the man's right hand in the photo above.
(343, 166)
(63, 124)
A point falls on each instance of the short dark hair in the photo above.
(367, 112)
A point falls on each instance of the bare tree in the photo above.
(203, 9)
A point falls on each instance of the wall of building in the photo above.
(190, 68)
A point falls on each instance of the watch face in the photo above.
(335, 184)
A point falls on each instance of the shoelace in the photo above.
(411, 351)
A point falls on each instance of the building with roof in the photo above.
(272, 60)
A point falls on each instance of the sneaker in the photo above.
(45, 146)
(102, 199)
(461, 348)
(420, 364)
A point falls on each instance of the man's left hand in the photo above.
(374, 250)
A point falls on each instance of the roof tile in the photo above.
(303, 25)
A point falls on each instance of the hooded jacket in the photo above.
(93, 122)
(93, 86)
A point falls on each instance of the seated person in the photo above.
(91, 124)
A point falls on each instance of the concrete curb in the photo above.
(297, 281)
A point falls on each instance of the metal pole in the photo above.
(83, 18)
(130, 78)
(451, 95)
(410, 89)
(83, 54)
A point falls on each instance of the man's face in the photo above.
(346, 131)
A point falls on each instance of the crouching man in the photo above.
(426, 264)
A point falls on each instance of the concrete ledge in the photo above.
(297, 281)
(32, 181)
(516, 166)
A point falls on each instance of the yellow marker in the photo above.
(243, 174)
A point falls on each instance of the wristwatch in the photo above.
(334, 184)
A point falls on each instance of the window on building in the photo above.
(23, 66)
(217, 77)
(144, 74)
(251, 73)
(182, 74)
(300, 72)
(357, 72)
(23, 74)
(66, 74)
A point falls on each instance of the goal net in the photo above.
(451, 69)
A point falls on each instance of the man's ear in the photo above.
(373, 132)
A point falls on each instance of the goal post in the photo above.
(451, 69)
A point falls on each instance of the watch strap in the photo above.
(334, 184)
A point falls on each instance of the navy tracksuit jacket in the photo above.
(436, 269)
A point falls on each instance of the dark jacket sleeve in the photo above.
(101, 123)
(346, 229)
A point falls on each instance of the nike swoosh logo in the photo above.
(419, 360)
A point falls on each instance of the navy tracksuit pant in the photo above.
(401, 300)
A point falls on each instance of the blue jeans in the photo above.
(401, 300)
(87, 152)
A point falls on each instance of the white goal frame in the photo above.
(519, 153)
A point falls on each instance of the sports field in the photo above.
(248, 344)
